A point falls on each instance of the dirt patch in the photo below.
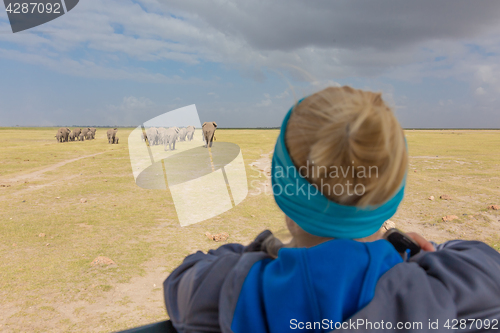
(449, 218)
(102, 261)
(37, 174)
(263, 165)
(145, 292)
(132, 304)
(217, 237)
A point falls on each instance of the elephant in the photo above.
(209, 132)
(169, 137)
(160, 135)
(152, 135)
(77, 132)
(182, 134)
(85, 132)
(81, 137)
(116, 139)
(189, 133)
(63, 134)
(112, 135)
(91, 132)
(72, 136)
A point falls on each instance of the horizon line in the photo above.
(260, 127)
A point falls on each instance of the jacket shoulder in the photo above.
(193, 290)
(461, 280)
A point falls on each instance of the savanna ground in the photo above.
(47, 284)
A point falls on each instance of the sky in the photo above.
(244, 63)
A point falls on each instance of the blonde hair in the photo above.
(342, 128)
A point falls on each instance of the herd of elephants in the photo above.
(154, 135)
(64, 134)
(169, 136)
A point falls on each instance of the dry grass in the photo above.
(54, 288)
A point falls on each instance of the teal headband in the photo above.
(312, 211)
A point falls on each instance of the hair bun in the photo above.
(343, 138)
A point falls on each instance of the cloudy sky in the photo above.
(244, 62)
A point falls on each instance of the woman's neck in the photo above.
(301, 238)
(308, 240)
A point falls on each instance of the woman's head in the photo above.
(344, 139)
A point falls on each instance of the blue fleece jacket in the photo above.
(238, 288)
(330, 281)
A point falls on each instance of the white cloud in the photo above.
(331, 45)
(445, 102)
(90, 69)
(132, 102)
(265, 102)
(283, 95)
(485, 74)
(126, 112)
(480, 91)
(320, 43)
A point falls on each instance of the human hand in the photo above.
(256, 245)
(421, 241)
